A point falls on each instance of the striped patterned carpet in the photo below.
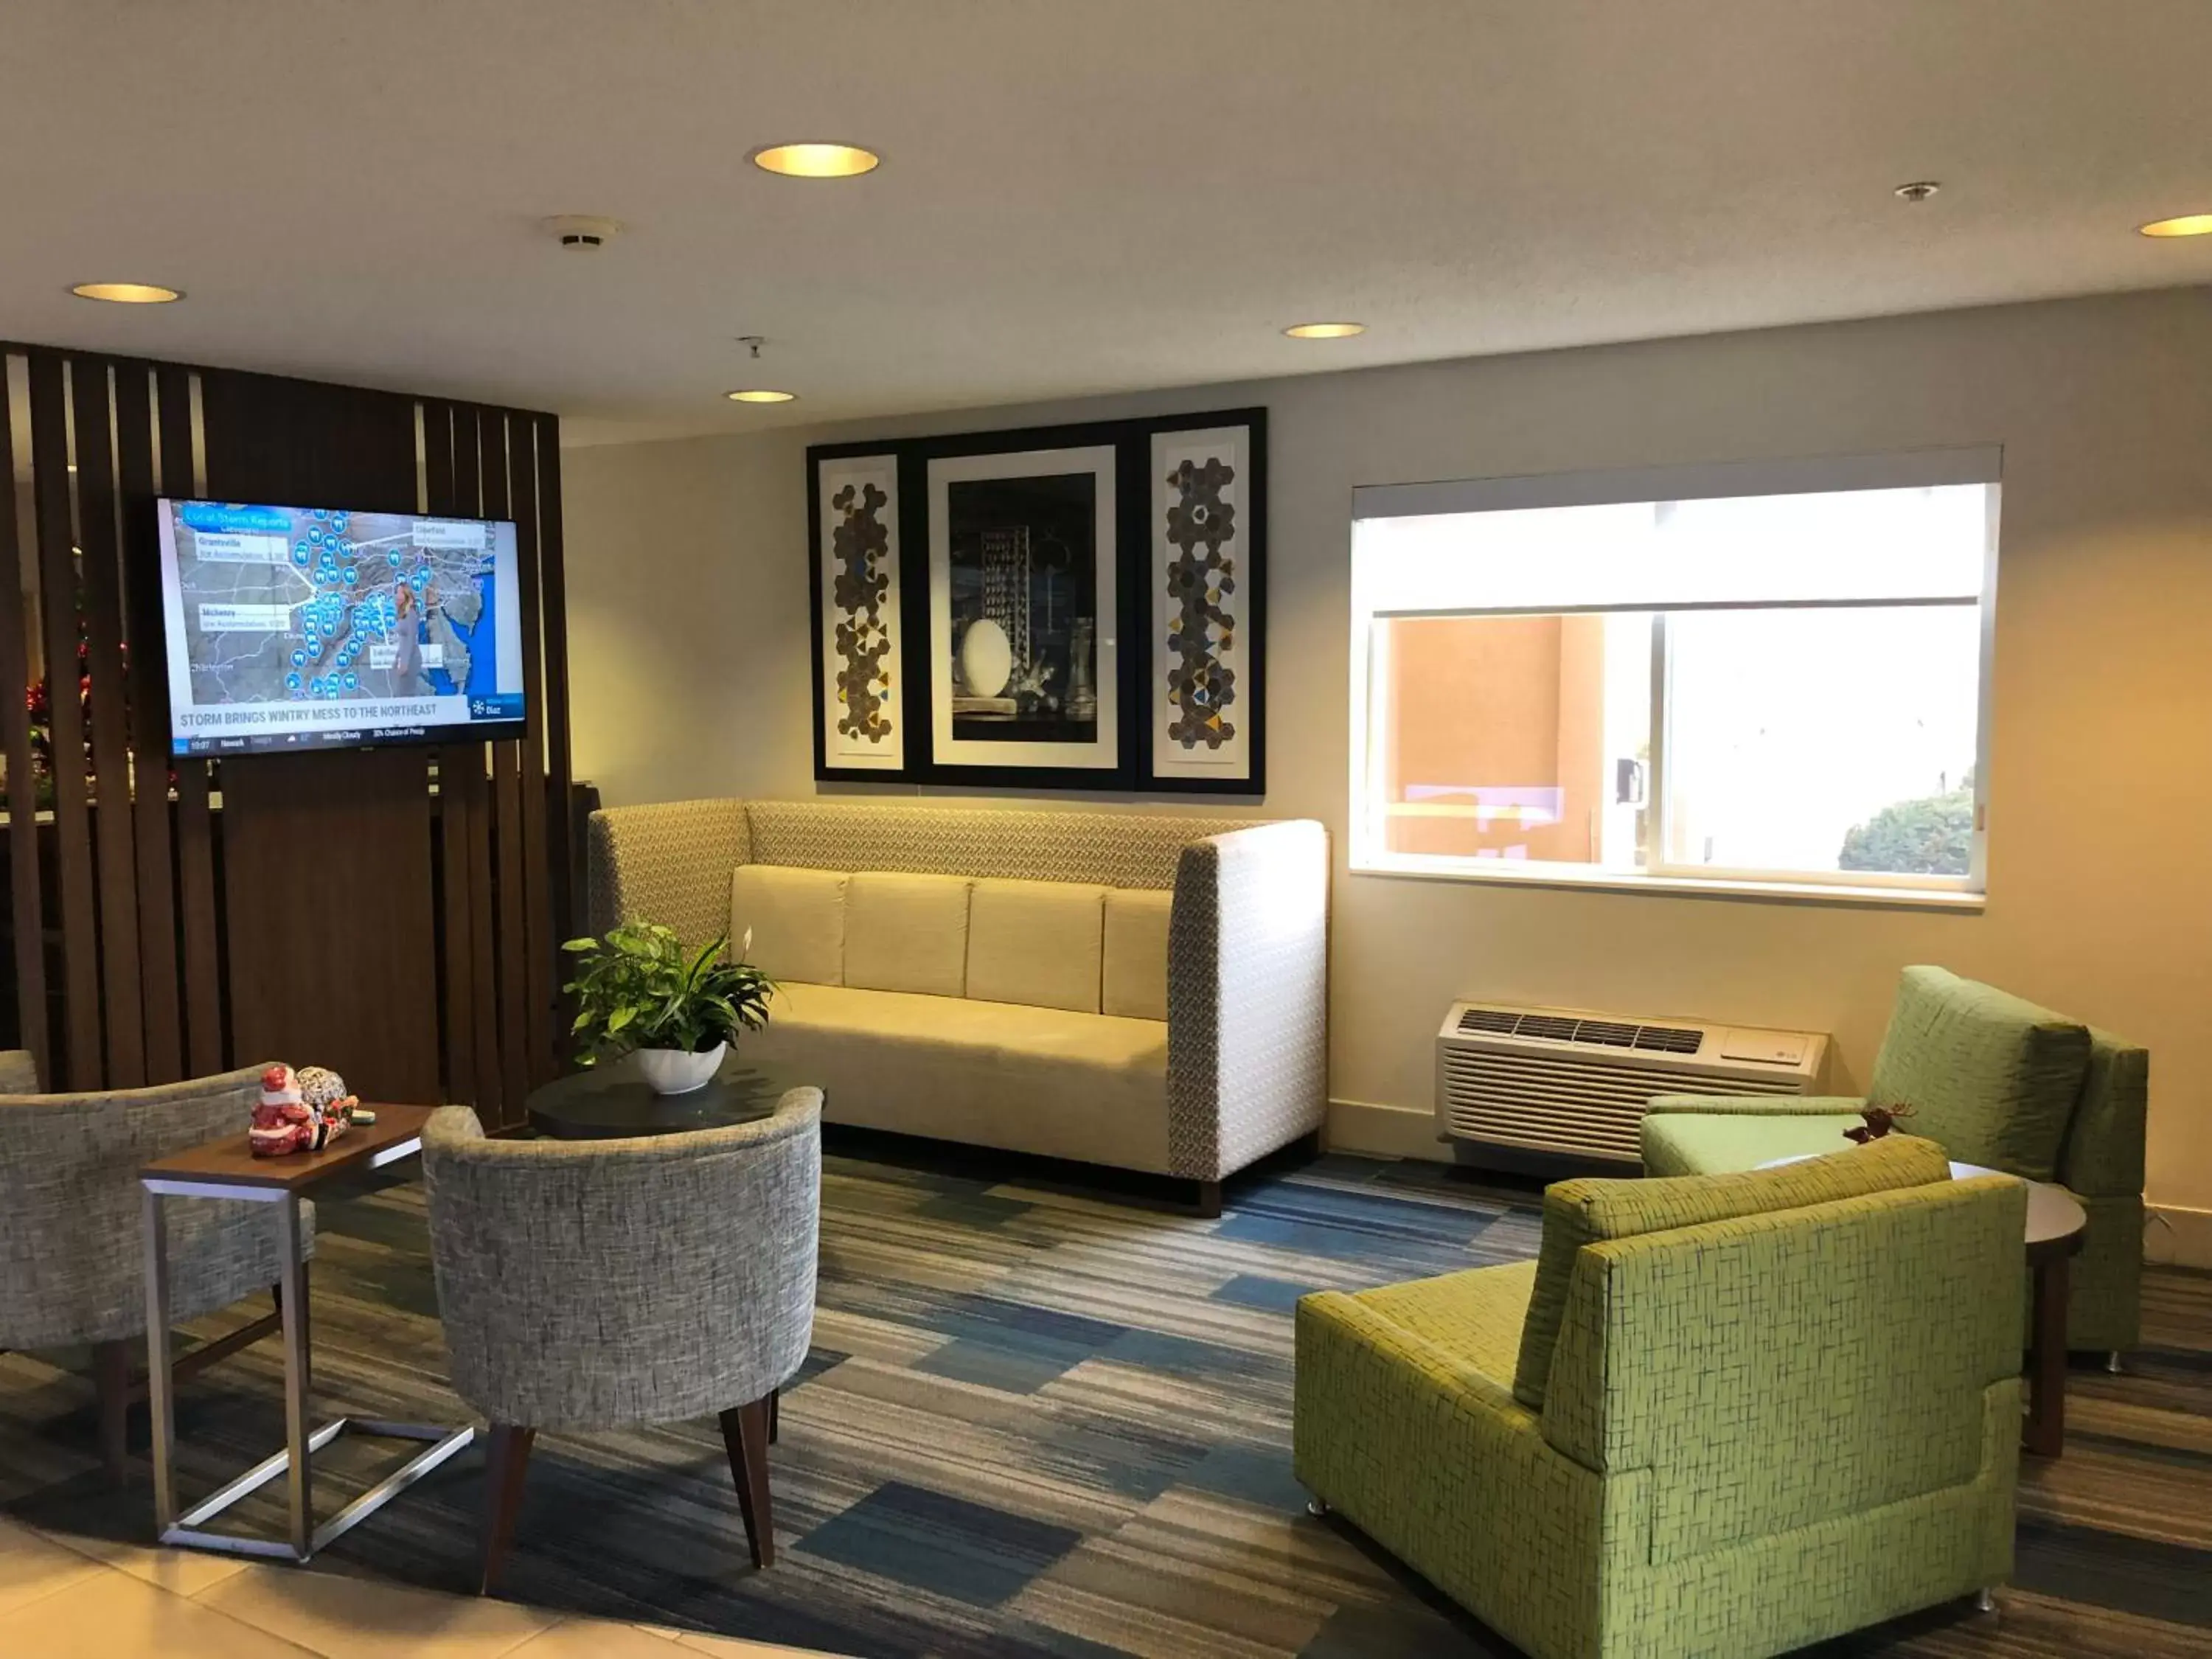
(1037, 1422)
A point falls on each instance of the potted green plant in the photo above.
(637, 992)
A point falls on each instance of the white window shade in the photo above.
(1861, 547)
(1910, 529)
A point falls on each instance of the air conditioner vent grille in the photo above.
(1604, 1033)
(1570, 1084)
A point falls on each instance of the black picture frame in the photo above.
(1139, 668)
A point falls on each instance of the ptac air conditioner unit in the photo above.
(1540, 1088)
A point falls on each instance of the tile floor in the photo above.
(80, 1598)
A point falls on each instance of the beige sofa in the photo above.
(1147, 993)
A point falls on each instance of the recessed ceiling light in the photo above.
(2189, 224)
(128, 293)
(816, 161)
(1325, 330)
(761, 395)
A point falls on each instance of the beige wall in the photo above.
(688, 647)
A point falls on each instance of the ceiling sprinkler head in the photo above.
(581, 233)
(1919, 191)
(753, 342)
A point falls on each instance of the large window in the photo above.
(1772, 675)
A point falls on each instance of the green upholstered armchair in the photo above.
(1729, 1413)
(1993, 1080)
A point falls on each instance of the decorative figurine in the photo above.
(299, 1111)
(1879, 1120)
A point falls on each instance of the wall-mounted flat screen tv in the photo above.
(293, 628)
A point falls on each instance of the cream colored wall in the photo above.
(688, 650)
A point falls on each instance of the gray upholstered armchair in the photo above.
(601, 1283)
(72, 1235)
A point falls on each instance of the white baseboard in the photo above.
(1359, 1126)
(2171, 1234)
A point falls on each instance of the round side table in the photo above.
(613, 1101)
(2056, 1227)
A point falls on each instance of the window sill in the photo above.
(1778, 892)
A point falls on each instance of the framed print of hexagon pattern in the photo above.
(863, 724)
(1204, 563)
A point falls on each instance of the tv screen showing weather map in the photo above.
(295, 628)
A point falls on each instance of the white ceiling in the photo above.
(1075, 198)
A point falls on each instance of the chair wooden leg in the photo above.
(744, 1436)
(507, 1462)
(775, 1415)
(112, 1377)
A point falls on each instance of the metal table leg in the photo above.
(304, 1538)
(158, 1398)
(300, 1479)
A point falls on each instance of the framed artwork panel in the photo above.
(860, 723)
(1024, 571)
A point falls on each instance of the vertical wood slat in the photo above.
(454, 950)
(72, 822)
(468, 760)
(149, 736)
(113, 842)
(560, 850)
(515, 944)
(491, 1093)
(29, 906)
(537, 905)
(458, 945)
(332, 924)
(205, 1033)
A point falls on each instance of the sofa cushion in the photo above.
(1718, 1143)
(1475, 1315)
(1036, 942)
(907, 933)
(1042, 1080)
(1579, 1213)
(1134, 981)
(1991, 1079)
(796, 917)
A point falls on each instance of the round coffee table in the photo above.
(2057, 1227)
(613, 1101)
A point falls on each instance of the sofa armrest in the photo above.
(1247, 996)
(668, 863)
(19, 1073)
(1757, 1105)
(2103, 1153)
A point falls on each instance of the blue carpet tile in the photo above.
(1039, 1424)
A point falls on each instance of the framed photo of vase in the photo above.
(1205, 574)
(1024, 615)
(860, 717)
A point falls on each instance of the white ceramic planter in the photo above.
(674, 1072)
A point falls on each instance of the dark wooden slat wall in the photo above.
(28, 904)
(206, 1046)
(57, 585)
(536, 895)
(562, 853)
(115, 858)
(326, 907)
(149, 725)
(506, 814)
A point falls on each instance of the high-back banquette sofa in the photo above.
(1148, 992)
